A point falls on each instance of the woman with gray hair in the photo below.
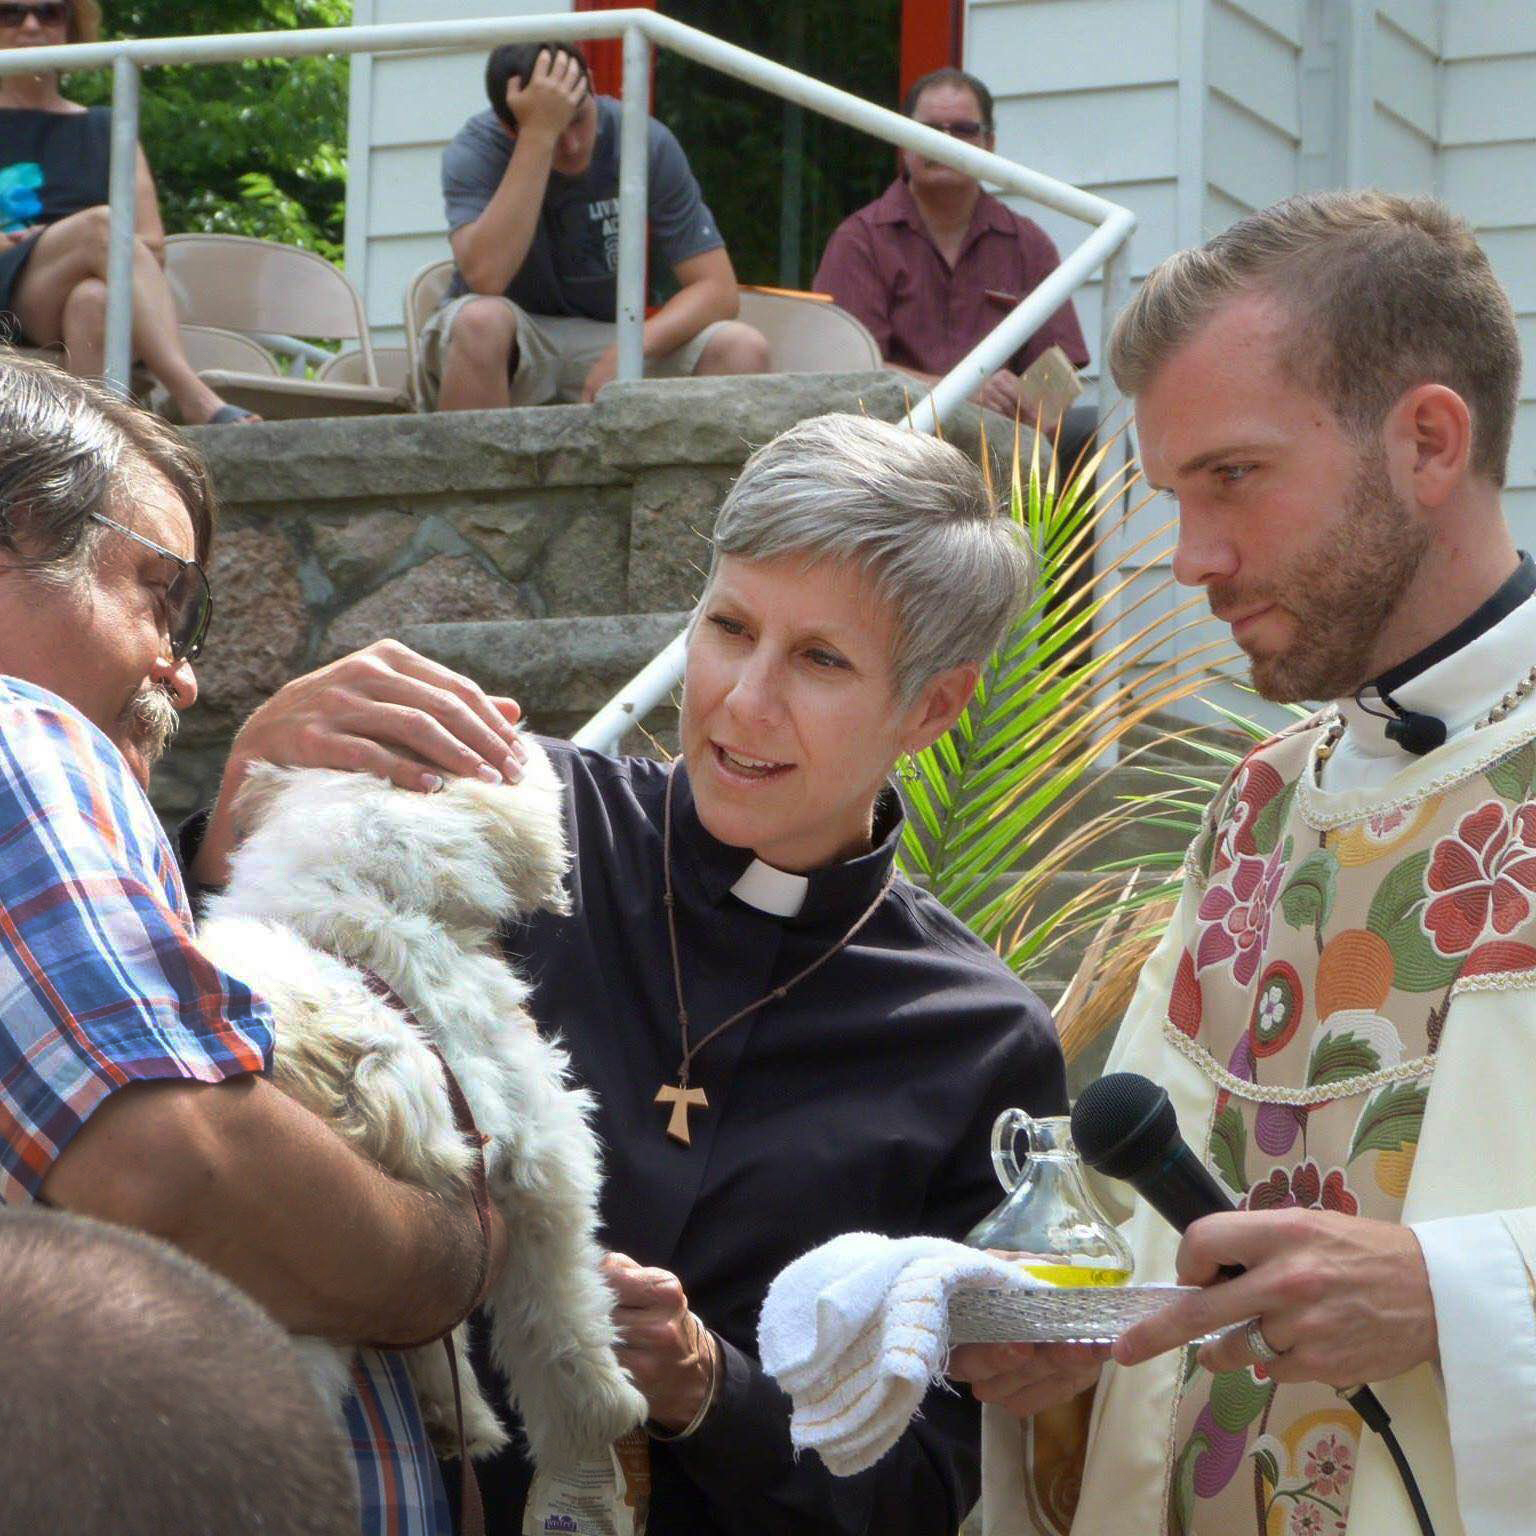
(787, 1039)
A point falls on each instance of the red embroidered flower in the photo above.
(1234, 916)
(1330, 1465)
(1304, 1186)
(1482, 874)
(1307, 1519)
(1184, 1006)
(1255, 786)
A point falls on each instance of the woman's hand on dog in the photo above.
(383, 710)
(669, 1354)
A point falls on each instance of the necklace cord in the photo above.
(776, 993)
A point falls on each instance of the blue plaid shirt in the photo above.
(101, 986)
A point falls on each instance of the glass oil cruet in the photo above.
(1050, 1223)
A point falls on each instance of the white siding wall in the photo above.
(1487, 172)
(404, 109)
(1401, 139)
(1087, 91)
(1253, 107)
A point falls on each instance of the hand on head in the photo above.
(1344, 1300)
(384, 710)
(1024, 1379)
(552, 96)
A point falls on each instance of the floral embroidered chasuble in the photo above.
(1312, 993)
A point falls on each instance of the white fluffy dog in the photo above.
(338, 873)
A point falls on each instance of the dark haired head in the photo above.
(949, 75)
(124, 1351)
(519, 59)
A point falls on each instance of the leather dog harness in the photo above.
(472, 1509)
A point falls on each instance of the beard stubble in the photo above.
(1339, 594)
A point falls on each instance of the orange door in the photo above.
(605, 56)
(932, 35)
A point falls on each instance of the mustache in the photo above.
(152, 720)
(1224, 596)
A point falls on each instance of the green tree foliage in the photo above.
(256, 148)
(742, 142)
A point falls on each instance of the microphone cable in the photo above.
(1369, 1407)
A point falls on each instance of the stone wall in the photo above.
(546, 552)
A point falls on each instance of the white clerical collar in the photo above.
(771, 890)
(1459, 690)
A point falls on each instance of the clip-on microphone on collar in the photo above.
(1415, 733)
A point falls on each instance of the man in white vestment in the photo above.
(1343, 1010)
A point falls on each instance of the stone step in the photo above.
(560, 670)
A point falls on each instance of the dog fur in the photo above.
(336, 873)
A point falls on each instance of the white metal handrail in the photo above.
(1106, 245)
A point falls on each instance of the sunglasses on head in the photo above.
(188, 600)
(49, 13)
(961, 130)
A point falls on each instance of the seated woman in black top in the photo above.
(847, 1041)
(53, 222)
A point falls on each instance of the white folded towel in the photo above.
(856, 1330)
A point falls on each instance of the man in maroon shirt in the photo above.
(933, 264)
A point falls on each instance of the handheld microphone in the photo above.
(1124, 1126)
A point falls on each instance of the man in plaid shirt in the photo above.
(133, 1081)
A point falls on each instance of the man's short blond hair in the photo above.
(1384, 293)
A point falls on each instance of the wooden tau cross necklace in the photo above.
(680, 1096)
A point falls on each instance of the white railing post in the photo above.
(1114, 294)
(649, 688)
(122, 181)
(634, 152)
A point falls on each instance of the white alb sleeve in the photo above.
(1485, 1313)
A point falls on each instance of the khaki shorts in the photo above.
(554, 352)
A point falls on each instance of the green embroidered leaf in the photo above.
(1397, 894)
(1307, 899)
(1340, 1056)
(1229, 1148)
(1181, 1496)
(1191, 1362)
(1237, 1399)
(1269, 1465)
(1394, 917)
(1514, 776)
(1267, 824)
(1391, 1120)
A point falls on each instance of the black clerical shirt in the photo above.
(863, 1100)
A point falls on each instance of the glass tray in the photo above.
(1069, 1315)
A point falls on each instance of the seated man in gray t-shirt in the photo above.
(531, 188)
